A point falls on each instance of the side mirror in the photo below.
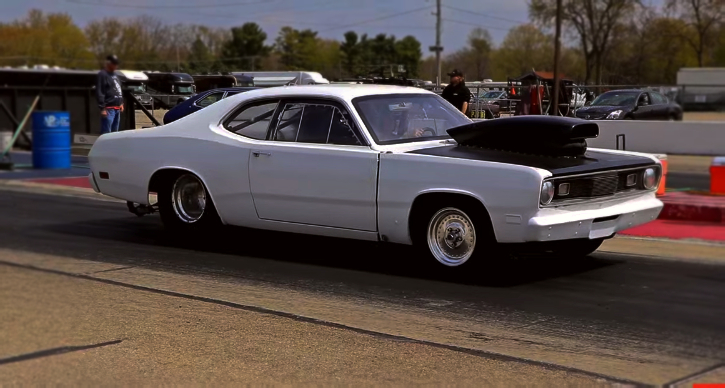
(588, 103)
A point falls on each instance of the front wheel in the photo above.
(451, 236)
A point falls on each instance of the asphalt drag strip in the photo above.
(626, 319)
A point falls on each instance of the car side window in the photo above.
(341, 133)
(253, 121)
(658, 98)
(210, 99)
(289, 122)
(315, 123)
(644, 100)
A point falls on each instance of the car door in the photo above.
(315, 168)
(660, 109)
(644, 109)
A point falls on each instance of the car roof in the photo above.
(232, 89)
(626, 91)
(343, 91)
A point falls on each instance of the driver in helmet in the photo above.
(395, 122)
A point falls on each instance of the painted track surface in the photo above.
(613, 315)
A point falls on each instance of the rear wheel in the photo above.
(185, 204)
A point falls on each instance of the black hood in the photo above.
(556, 144)
(538, 135)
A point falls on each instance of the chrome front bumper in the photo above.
(592, 221)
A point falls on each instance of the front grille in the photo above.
(598, 185)
(595, 186)
(604, 185)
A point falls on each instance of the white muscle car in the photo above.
(381, 163)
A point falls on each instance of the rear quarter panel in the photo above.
(217, 156)
(504, 189)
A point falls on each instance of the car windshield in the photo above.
(185, 89)
(138, 88)
(616, 99)
(400, 118)
(492, 95)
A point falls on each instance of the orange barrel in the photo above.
(717, 175)
(663, 160)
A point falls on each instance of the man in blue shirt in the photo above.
(109, 96)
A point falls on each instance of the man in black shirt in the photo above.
(456, 92)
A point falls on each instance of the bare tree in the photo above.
(593, 21)
(701, 17)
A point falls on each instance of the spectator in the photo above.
(109, 96)
(456, 92)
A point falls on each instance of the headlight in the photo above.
(650, 178)
(547, 193)
(614, 115)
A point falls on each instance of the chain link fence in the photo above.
(500, 99)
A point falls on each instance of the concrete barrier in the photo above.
(663, 137)
(656, 137)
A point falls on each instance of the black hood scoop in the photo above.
(552, 136)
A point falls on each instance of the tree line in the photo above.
(604, 41)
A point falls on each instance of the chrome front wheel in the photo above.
(188, 198)
(451, 237)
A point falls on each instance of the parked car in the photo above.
(631, 105)
(202, 100)
(496, 101)
(381, 163)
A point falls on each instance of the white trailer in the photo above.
(701, 88)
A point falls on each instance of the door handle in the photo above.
(257, 153)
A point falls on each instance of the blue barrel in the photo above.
(51, 140)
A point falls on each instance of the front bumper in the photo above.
(592, 221)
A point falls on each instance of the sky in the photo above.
(331, 18)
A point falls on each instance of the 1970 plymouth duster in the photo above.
(381, 163)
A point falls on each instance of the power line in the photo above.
(293, 22)
(483, 14)
(273, 11)
(102, 4)
(479, 25)
(379, 18)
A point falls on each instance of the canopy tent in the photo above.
(541, 103)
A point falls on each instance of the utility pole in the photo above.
(437, 48)
(557, 49)
(178, 70)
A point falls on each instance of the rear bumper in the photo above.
(592, 223)
(92, 181)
